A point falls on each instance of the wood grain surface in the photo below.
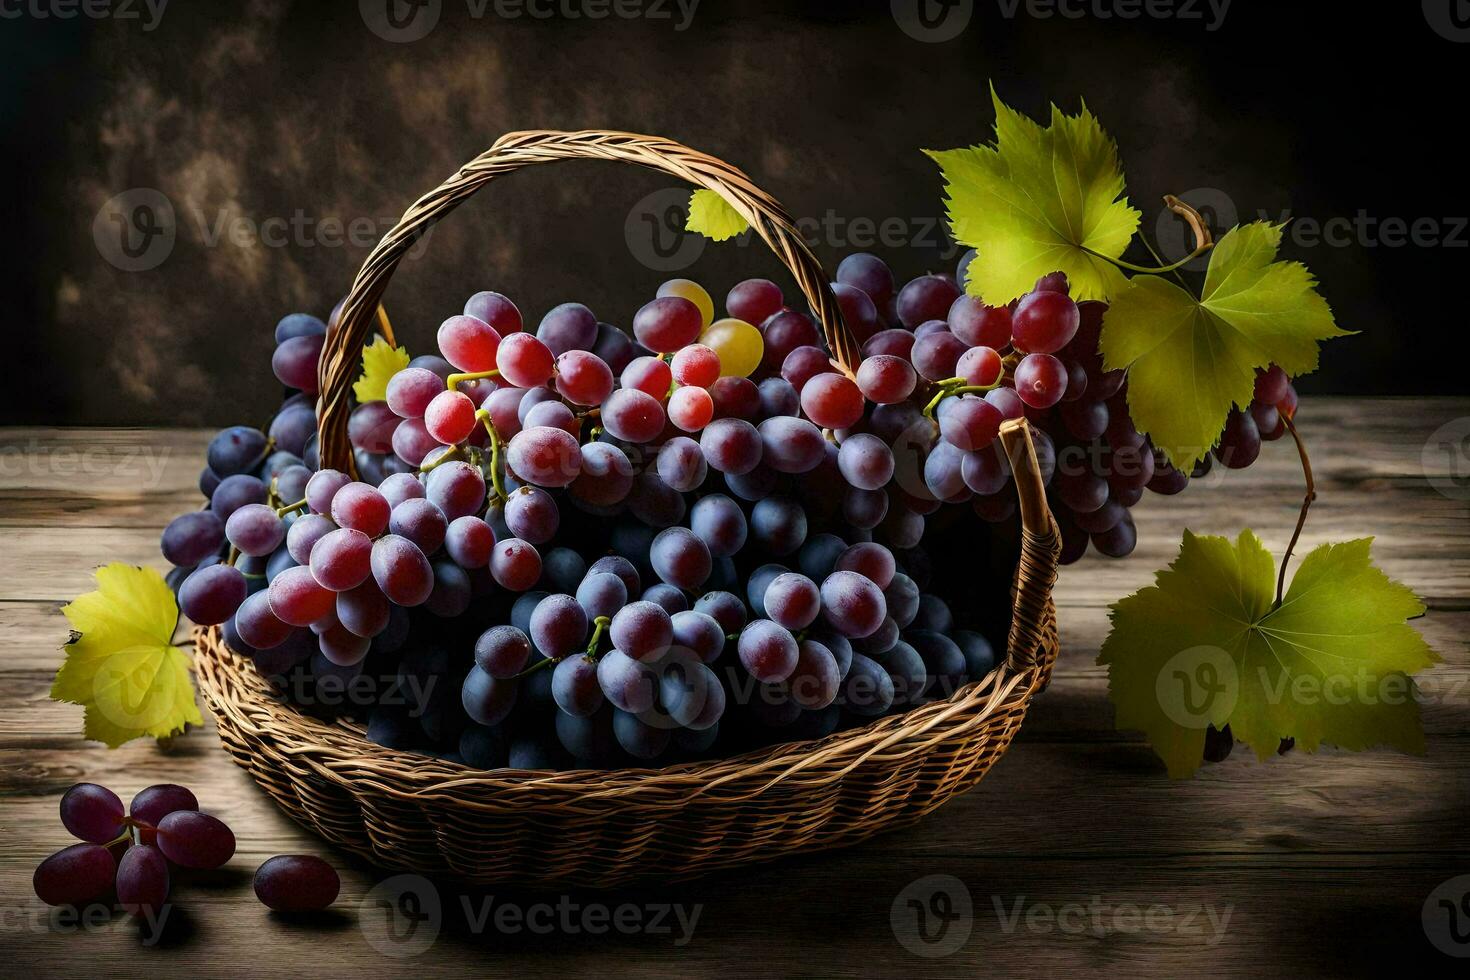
(1076, 855)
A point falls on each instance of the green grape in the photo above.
(739, 345)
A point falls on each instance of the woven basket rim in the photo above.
(339, 749)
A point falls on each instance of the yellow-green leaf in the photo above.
(711, 216)
(1190, 361)
(121, 664)
(380, 361)
(1041, 200)
(1206, 646)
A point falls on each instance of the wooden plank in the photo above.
(1027, 916)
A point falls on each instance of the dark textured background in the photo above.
(240, 113)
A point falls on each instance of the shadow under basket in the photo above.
(412, 812)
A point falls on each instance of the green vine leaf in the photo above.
(1206, 646)
(1042, 199)
(711, 216)
(380, 361)
(1189, 361)
(121, 664)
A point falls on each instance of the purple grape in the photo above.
(852, 604)
(575, 687)
(92, 813)
(602, 594)
(642, 630)
(558, 626)
(700, 633)
(725, 608)
(142, 880)
(670, 598)
(779, 525)
(732, 445)
(626, 683)
(791, 445)
(75, 875)
(767, 650)
(792, 600)
(190, 538)
(195, 840)
(211, 594)
(296, 883)
(681, 558)
(814, 680)
(487, 700)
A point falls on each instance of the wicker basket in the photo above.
(408, 811)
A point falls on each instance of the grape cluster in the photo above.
(1037, 358)
(133, 853)
(581, 547)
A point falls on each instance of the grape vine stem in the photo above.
(292, 508)
(1307, 499)
(484, 416)
(455, 380)
(449, 455)
(1203, 241)
(600, 624)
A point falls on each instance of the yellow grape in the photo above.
(694, 293)
(739, 345)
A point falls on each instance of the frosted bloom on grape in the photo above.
(525, 361)
(545, 456)
(633, 415)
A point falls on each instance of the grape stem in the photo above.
(452, 453)
(455, 380)
(1307, 499)
(291, 508)
(1203, 241)
(538, 665)
(484, 416)
(955, 386)
(600, 624)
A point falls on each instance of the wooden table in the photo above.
(1077, 853)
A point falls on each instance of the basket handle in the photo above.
(343, 351)
(1041, 548)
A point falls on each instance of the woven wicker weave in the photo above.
(408, 811)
